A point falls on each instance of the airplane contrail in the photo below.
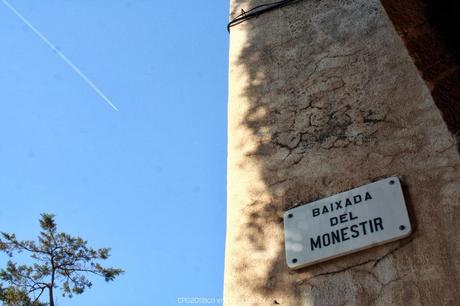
(59, 53)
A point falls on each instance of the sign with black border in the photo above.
(345, 223)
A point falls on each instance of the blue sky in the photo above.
(148, 181)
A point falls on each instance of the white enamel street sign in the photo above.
(348, 222)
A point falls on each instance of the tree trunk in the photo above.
(51, 286)
(51, 296)
(323, 97)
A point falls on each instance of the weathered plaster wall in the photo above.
(323, 97)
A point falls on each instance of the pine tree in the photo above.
(60, 261)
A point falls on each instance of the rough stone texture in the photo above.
(430, 29)
(323, 97)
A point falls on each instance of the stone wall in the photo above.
(324, 97)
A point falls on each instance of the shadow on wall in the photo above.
(259, 119)
(301, 100)
(430, 29)
(277, 131)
